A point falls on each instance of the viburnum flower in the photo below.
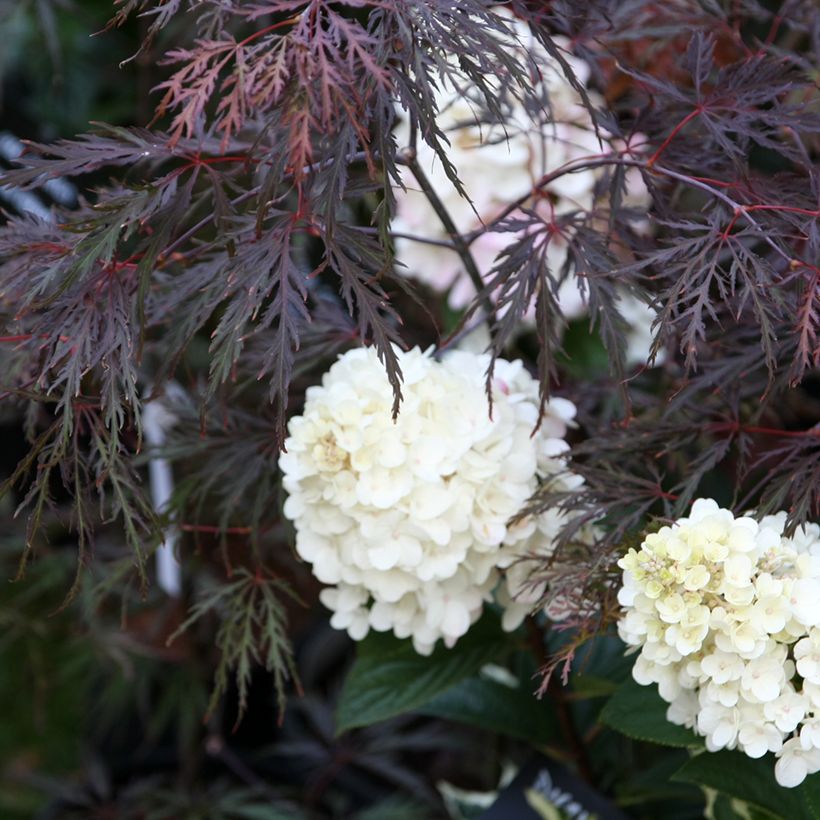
(725, 612)
(408, 520)
(498, 163)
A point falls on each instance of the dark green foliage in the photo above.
(390, 677)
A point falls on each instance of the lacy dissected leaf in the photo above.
(263, 288)
(252, 631)
(110, 146)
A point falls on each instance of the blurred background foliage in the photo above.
(57, 76)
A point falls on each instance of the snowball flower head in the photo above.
(407, 521)
(725, 611)
(498, 164)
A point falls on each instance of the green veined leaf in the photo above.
(752, 781)
(495, 707)
(640, 713)
(389, 677)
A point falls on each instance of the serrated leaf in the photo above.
(810, 791)
(584, 354)
(590, 686)
(395, 808)
(389, 677)
(736, 775)
(640, 713)
(496, 707)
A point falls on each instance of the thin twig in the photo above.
(424, 240)
(461, 247)
(206, 220)
(563, 711)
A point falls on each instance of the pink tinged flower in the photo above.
(356, 623)
(668, 686)
(812, 691)
(455, 621)
(702, 507)
(739, 637)
(381, 615)
(646, 672)
(722, 667)
(763, 678)
(805, 601)
(671, 608)
(343, 598)
(385, 556)
(807, 656)
(786, 711)
(795, 763)
(770, 614)
(326, 565)
(719, 725)
(627, 593)
(726, 694)
(756, 738)
(738, 569)
(696, 578)
(742, 535)
(810, 733)
(683, 710)
(661, 653)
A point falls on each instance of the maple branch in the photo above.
(672, 134)
(703, 183)
(206, 220)
(739, 208)
(424, 240)
(21, 337)
(460, 245)
(736, 427)
(267, 30)
(577, 164)
(215, 530)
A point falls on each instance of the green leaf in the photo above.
(639, 712)
(395, 808)
(749, 780)
(496, 707)
(730, 808)
(260, 811)
(389, 677)
(584, 353)
(590, 686)
(810, 791)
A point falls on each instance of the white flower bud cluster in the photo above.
(499, 164)
(726, 612)
(408, 520)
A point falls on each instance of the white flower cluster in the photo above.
(498, 164)
(726, 612)
(409, 520)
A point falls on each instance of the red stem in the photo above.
(197, 160)
(672, 134)
(290, 21)
(216, 530)
(735, 427)
(787, 208)
(778, 19)
(762, 207)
